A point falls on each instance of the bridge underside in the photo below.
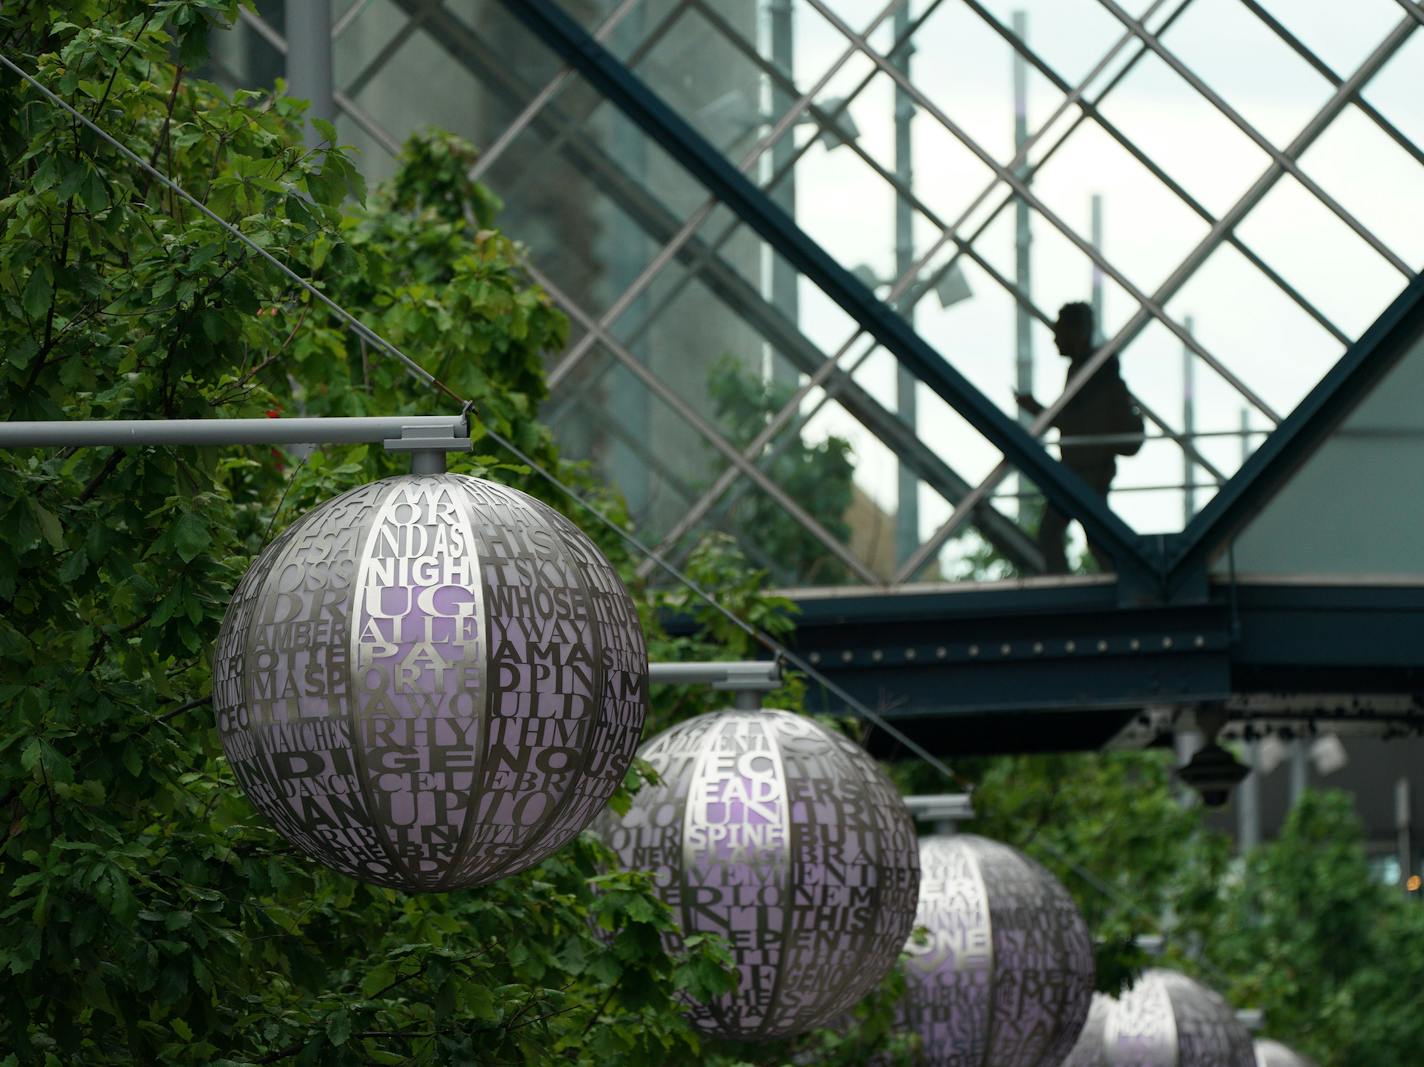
(1045, 665)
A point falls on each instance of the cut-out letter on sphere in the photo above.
(430, 682)
(787, 840)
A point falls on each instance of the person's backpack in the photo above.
(1125, 420)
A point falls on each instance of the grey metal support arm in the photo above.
(426, 437)
(747, 679)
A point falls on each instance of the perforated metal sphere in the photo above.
(1088, 1051)
(1273, 1054)
(1006, 977)
(1168, 1020)
(430, 682)
(787, 840)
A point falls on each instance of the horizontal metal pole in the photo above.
(312, 431)
(941, 807)
(720, 674)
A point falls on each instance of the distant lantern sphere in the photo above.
(430, 682)
(1089, 1052)
(1006, 978)
(1274, 1054)
(787, 840)
(1168, 1020)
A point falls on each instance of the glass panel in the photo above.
(1248, 323)
(1317, 253)
(594, 202)
(707, 78)
(1365, 469)
(1372, 178)
(1147, 229)
(1340, 34)
(605, 415)
(1185, 135)
(1395, 89)
(1071, 36)
(1249, 67)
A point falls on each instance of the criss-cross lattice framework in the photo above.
(1254, 164)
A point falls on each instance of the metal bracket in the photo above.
(748, 679)
(942, 810)
(428, 445)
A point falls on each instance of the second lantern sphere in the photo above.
(787, 840)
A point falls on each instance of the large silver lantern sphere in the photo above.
(1089, 1051)
(1006, 977)
(787, 840)
(1168, 1020)
(1273, 1054)
(430, 682)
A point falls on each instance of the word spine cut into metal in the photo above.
(788, 841)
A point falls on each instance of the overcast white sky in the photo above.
(1280, 352)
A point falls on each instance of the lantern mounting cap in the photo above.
(942, 809)
(428, 444)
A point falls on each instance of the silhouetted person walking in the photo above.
(1102, 408)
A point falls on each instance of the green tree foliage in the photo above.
(818, 477)
(148, 915)
(1334, 958)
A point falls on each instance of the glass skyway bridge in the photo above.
(811, 250)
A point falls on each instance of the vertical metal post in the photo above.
(624, 248)
(784, 296)
(1189, 428)
(1403, 827)
(1023, 273)
(309, 72)
(1095, 238)
(1248, 802)
(1299, 771)
(1245, 434)
(907, 512)
(1186, 741)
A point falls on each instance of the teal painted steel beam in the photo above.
(547, 20)
(1298, 436)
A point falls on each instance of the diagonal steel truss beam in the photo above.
(1304, 430)
(1224, 225)
(710, 433)
(1063, 488)
(740, 295)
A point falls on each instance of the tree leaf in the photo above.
(190, 536)
(49, 525)
(38, 293)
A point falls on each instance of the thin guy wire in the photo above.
(356, 325)
(764, 639)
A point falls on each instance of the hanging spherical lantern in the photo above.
(1168, 1020)
(430, 682)
(787, 840)
(1088, 1051)
(1006, 977)
(1273, 1054)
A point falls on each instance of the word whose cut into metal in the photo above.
(788, 841)
(430, 682)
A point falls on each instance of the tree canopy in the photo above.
(146, 913)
